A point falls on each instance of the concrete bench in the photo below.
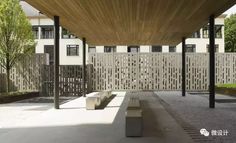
(134, 103)
(95, 99)
(133, 118)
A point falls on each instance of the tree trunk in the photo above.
(8, 73)
(8, 80)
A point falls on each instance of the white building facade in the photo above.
(71, 46)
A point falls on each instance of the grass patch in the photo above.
(227, 85)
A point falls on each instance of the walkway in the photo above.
(74, 124)
(193, 113)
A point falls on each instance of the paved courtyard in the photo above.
(193, 113)
(167, 116)
(74, 124)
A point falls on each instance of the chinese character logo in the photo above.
(204, 132)
(219, 132)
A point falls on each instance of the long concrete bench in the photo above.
(95, 99)
(133, 116)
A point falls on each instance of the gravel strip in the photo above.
(194, 110)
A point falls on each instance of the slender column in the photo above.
(84, 67)
(212, 61)
(56, 62)
(183, 67)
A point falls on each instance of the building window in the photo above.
(157, 48)
(216, 48)
(65, 34)
(205, 31)
(190, 48)
(196, 34)
(109, 49)
(72, 50)
(50, 50)
(92, 49)
(35, 30)
(218, 31)
(133, 49)
(47, 32)
(172, 49)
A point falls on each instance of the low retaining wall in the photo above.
(226, 91)
(13, 98)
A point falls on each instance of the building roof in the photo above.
(132, 22)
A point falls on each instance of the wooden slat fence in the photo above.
(70, 80)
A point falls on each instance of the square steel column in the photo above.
(56, 62)
(212, 61)
(84, 67)
(183, 67)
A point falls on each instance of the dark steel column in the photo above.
(183, 67)
(56, 62)
(212, 61)
(84, 67)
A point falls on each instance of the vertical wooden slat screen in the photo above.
(70, 80)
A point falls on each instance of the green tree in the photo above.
(16, 37)
(230, 33)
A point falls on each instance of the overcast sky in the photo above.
(232, 10)
(30, 11)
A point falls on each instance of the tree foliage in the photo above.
(16, 37)
(230, 33)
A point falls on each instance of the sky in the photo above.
(230, 11)
(30, 11)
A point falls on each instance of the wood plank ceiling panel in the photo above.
(132, 22)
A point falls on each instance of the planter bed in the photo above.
(17, 97)
(226, 91)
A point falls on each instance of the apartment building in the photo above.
(71, 46)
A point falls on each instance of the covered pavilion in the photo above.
(129, 22)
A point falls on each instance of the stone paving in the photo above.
(194, 110)
(74, 124)
(168, 117)
(14, 113)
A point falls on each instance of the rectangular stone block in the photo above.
(134, 125)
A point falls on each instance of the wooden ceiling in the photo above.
(132, 22)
